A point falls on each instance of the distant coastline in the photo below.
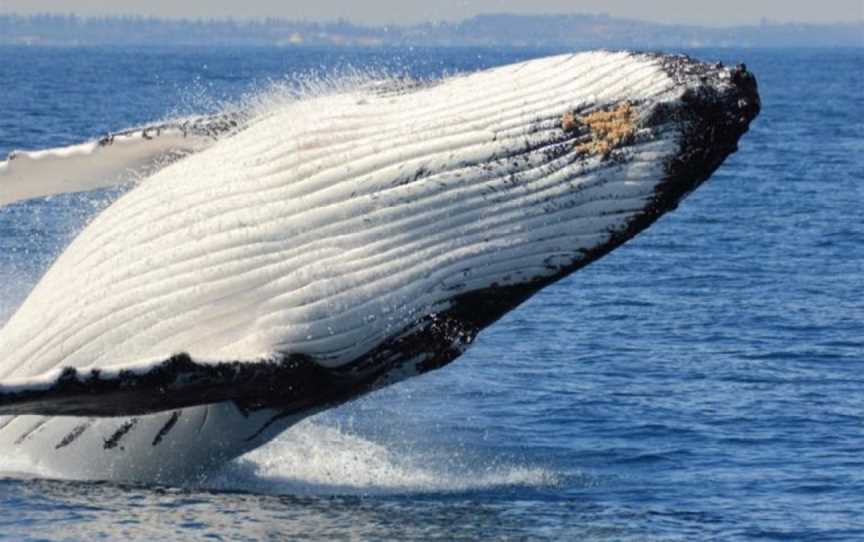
(494, 30)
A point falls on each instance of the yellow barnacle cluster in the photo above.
(609, 129)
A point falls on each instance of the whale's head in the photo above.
(568, 186)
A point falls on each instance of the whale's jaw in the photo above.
(667, 142)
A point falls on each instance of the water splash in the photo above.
(319, 458)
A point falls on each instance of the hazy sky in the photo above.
(715, 12)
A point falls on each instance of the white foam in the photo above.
(316, 457)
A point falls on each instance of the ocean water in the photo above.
(705, 381)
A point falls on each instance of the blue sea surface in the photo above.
(705, 381)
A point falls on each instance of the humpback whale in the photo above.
(265, 267)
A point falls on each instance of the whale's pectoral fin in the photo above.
(111, 160)
(288, 383)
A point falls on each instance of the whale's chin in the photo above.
(271, 267)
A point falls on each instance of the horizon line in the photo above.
(259, 19)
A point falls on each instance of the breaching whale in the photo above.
(266, 267)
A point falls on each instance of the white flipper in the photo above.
(111, 160)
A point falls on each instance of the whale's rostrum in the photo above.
(267, 267)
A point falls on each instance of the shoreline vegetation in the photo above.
(493, 30)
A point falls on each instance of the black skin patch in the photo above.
(294, 382)
(73, 435)
(114, 440)
(169, 425)
(176, 383)
(716, 112)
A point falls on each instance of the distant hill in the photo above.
(501, 30)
